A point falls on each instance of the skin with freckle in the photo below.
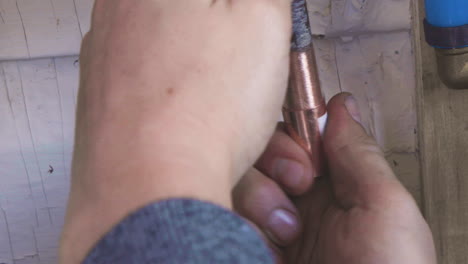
(176, 99)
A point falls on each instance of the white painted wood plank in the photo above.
(55, 27)
(6, 250)
(379, 70)
(338, 18)
(36, 100)
(39, 80)
(12, 37)
(328, 69)
(42, 28)
(67, 79)
(47, 243)
(51, 26)
(83, 10)
(17, 208)
(21, 226)
(26, 147)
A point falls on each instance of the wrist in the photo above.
(116, 171)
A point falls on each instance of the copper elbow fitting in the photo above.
(453, 67)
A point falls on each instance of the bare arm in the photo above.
(177, 99)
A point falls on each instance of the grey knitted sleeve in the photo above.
(181, 231)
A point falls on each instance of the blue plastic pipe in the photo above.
(447, 13)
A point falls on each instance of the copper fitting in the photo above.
(304, 109)
(453, 67)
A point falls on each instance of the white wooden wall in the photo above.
(37, 102)
(367, 51)
(42, 28)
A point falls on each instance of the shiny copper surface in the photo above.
(304, 105)
(304, 85)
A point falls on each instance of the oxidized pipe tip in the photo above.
(304, 108)
(302, 38)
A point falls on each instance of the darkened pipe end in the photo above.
(302, 37)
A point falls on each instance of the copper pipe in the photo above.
(304, 109)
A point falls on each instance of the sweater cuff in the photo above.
(181, 231)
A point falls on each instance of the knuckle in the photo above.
(254, 187)
(266, 189)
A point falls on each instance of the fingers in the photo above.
(262, 201)
(359, 172)
(287, 164)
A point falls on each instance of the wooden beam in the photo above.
(443, 122)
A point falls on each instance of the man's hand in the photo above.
(358, 214)
(177, 99)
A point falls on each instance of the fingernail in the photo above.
(288, 172)
(283, 226)
(353, 108)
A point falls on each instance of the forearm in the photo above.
(177, 99)
(120, 178)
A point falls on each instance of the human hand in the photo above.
(358, 214)
(177, 99)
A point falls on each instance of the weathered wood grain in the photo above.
(37, 102)
(42, 28)
(443, 122)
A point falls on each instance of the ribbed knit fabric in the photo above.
(181, 231)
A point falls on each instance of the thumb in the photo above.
(359, 173)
